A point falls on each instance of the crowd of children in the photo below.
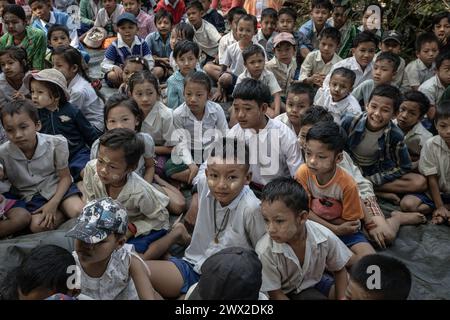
(287, 140)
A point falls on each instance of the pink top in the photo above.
(227, 4)
(146, 24)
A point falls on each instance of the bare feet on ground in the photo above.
(408, 218)
(391, 197)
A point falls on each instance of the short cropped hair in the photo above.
(445, 55)
(425, 38)
(321, 4)
(419, 98)
(194, 4)
(346, 73)
(127, 140)
(388, 91)
(392, 57)
(329, 133)
(228, 147)
(252, 50)
(235, 11)
(57, 27)
(314, 115)
(18, 106)
(250, 18)
(184, 29)
(288, 191)
(365, 36)
(395, 278)
(160, 14)
(185, 46)
(289, 11)
(332, 33)
(251, 89)
(269, 13)
(301, 88)
(442, 111)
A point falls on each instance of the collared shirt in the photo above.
(146, 206)
(175, 90)
(310, 32)
(347, 106)
(84, 97)
(394, 160)
(285, 74)
(285, 119)
(207, 37)
(159, 124)
(106, 21)
(40, 173)
(233, 58)
(274, 151)
(435, 160)
(158, 46)
(245, 225)
(416, 138)
(281, 268)
(433, 89)
(398, 79)
(118, 51)
(364, 91)
(35, 43)
(352, 64)
(267, 77)
(61, 18)
(416, 73)
(314, 64)
(7, 91)
(198, 134)
(261, 38)
(226, 41)
(146, 24)
(176, 10)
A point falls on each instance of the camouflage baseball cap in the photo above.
(98, 220)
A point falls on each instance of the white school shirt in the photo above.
(159, 124)
(245, 225)
(433, 89)
(279, 152)
(234, 60)
(197, 134)
(347, 106)
(226, 41)
(267, 77)
(84, 97)
(282, 269)
(416, 138)
(74, 41)
(103, 18)
(352, 64)
(207, 37)
(285, 119)
(398, 79)
(435, 160)
(6, 91)
(416, 73)
(314, 64)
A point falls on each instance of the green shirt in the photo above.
(35, 43)
(87, 13)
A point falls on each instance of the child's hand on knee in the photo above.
(440, 215)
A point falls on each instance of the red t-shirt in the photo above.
(176, 12)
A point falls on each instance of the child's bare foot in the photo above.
(389, 196)
(437, 220)
(408, 218)
(183, 237)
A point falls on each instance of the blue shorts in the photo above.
(325, 284)
(38, 201)
(187, 272)
(429, 202)
(142, 243)
(351, 239)
(77, 163)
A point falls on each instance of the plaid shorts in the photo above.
(373, 207)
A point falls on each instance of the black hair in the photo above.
(142, 77)
(321, 4)
(442, 111)
(46, 266)
(288, 191)
(395, 278)
(41, 1)
(235, 11)
(18, 106)
(314, 115)
(301, 88)
(15, 10)
(329, 133)
(289, 11)
(185, 46)
(252, 50)
(195, 4)
(18, 54)
(332, 33)
(8, 284)
(57, 27)
(342, 4)
(119, 99)
(388, 91)
(160, 14)
(138, 60)
(365, 36)
(251, 89)
(445, 55)
(231, 148)
(346, 73)
(126, 139)
(269, 13)
(436, 19)
(419, 98)
(250, 18)
(185, 30)
(200, 78)
(423, 38)
(55, 91)
(392, 57)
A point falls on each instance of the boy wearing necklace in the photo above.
(228, 216)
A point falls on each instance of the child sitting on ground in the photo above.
(383, 72)
(127, 44)
(48, 192)
(423, 68)
(228, 215)
(88, 13)
(342, 20)
(107, 16)
(212, 16)
(434, 164)
(181, 31)
(131, 65)
(288, 244)
(14, 66)
(334, 196)
(146, 23)
(395, 279)
(318, 63)
(109, 269)
(269, 17)
(337, 97)
(392, 42)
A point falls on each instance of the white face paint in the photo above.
(115, 177)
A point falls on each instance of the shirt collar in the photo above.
(121, 43)
(151, 117)
(441, 143)
(17, 154)
(187, 112)
(233, 205)
(422, 65)
(74, 81)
